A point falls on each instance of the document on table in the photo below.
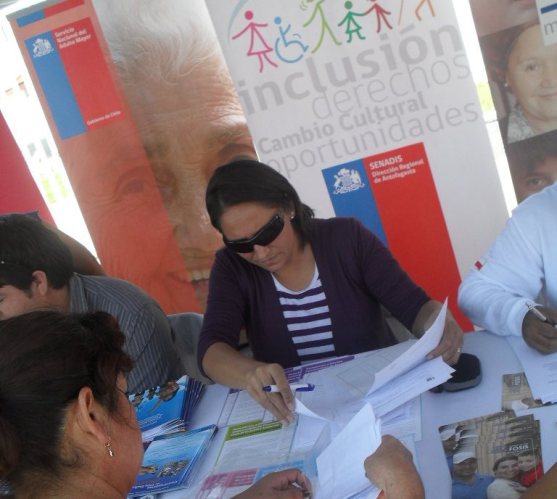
(255, 444)
(387, 378)
(340, 466)
(540, 369)
(240, 406)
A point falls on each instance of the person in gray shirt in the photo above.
(36, 272)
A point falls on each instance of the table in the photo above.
(496, 357)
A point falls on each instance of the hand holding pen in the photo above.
(278, 400)
(539, 328)
(295, 387)
(532, 308)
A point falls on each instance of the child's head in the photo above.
(528, 460)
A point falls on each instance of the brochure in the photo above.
(517, 394)
(496, 452)
(166, 408)
(170, 459)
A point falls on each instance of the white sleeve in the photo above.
(495, 294)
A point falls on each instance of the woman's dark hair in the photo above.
(46, 359)
(249, 181)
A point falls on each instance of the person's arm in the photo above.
(545, 487)
(217, 351)
(451, 342)
(227, 366)
(391, 469)
(287, 484)
(496, 293)
(395, 290)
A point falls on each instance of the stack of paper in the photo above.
(386, 378)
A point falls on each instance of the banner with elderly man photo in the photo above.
(369, 108)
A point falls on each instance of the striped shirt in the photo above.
(308, 319)
(149, 338)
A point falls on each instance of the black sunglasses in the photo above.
(264, 236)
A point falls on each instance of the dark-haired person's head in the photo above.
(65, 421)
(533, 164)
(506, 467)
(249, 181)
(33, 260)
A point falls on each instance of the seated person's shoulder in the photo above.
(543, 202)
(339, 226)
(113, 285)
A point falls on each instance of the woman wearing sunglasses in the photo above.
(303, 288)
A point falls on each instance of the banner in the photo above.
(104, 157)
(518, 43)
(370, 110)
(14, 173)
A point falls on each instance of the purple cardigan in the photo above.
(358, 274)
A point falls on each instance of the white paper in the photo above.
(415, 355)
(340, 466)
(540, 369)
(409, 385)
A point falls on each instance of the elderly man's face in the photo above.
(189, 128)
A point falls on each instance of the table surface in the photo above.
(496, 357)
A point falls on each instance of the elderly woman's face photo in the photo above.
(190, 127)
(189, 119)
(532, 78)
(122, 205)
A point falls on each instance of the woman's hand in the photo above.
(287, 484)
(450, 345)
(281, 403)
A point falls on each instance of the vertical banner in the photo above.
(519, 46)
(369, 108)
(14, 172)
(102, 151)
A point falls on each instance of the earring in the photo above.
(292, 216)
(108, 447)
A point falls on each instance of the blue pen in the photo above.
(295, 387)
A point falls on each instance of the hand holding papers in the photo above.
(386, 378)
(340, 465)
(415, 355)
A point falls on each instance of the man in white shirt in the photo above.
(518, 271)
